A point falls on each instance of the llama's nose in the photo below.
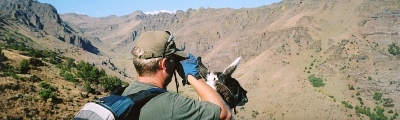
(245, 100)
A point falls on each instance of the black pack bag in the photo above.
(117, 107)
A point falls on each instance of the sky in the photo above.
(104, 8)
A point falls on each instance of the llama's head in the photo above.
(228, 87)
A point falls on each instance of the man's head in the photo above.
(154, 47)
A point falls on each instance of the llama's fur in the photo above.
(218, 80)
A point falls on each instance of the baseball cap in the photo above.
(158, 44)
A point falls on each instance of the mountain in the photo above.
(43, 19)
(316, 59)
(344, 43)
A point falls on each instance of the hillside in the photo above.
(336, 59)
(42, 20)
(344, 43)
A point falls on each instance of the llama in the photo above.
(228, 87)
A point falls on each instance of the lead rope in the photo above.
(176, 83)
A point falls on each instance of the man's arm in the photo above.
(206, 93)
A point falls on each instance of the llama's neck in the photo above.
(212, 85)
(230, 108)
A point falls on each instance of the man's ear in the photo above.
(163, 64)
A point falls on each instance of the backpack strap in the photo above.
(140, 99)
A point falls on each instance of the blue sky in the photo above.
(104, 8)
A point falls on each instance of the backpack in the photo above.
(117, 107)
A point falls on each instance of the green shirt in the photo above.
(173, 106)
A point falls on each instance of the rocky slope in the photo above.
(344, 43)
(43, 19)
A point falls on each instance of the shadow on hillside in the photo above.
(90, 48)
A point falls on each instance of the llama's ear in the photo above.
(202, 69)
(232, 67)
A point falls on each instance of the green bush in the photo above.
(89, 73)
(67, 64)
(23, 67)
(315, 81)
(69, 77)
(388, 102)
(346, 104)
(369, 78)
(379, 114)
(363, 110)
(390, 111)
(87, 87)
(359, 98)
(10, 72)
(351, 87)
(46, 94)
(395, 116)
(110, 83)
(377, 96)
(45, 85)
(47, 91)
(394, 49)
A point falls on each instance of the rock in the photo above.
(43, 18)
(49, 100)
(84, 94)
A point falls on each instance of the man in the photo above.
(156, 59)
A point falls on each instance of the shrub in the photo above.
(394, 49)
(110, 83)
(377, 96)
(67, 64)
(359, 98)
(69, 77)
(87, 87)
(379, 114)
(23, 67)
(10, 72)
(315, 81)
(390, 111)
(342, 68)
(34, 78)
(254, 113)
(46, 93)
(363, 110)
(351, 87)
(2, 57)
(88, 72)
(36, 62)
(388, 102)
(45, 85)
(346, 104)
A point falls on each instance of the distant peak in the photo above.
(160, 11)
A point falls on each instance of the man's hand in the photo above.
(189, 66)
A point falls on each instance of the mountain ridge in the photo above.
(278, 43)
(285, 48)
(43, 19)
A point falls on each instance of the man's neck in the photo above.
(156, 81)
